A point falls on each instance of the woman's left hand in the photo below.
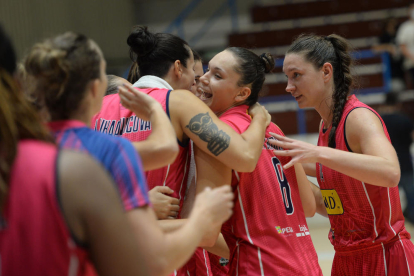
(301, 152)
(138, 102)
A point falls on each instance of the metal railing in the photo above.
(178, 22)
(287, 100)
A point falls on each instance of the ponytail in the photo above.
(154, 53)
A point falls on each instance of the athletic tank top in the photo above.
(268, 233)
(116, 120)
(361, 214)
(34, 238)
(115, 154)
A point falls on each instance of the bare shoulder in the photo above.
(78, 167)
(363, 119)
(363, 126)
(182, 93)
(181, 101)
(81, 176)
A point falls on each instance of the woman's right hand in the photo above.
(259, 110)
(138, 102)
(165, 207)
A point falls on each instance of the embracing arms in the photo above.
(192, 118)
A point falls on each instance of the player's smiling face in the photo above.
(305, 82)
(218, 87)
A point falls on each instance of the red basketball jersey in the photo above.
(34, 238)
(361, 214)
(197, 265)
(268, 233)
(219, 265)
(115, 119)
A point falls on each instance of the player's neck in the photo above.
(84, 117)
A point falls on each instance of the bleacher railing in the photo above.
(178, 23)
(273, 103)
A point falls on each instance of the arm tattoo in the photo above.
(203, 126)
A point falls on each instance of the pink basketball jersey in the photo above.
(34, 238)
(115, 119)
(361, 214)
(268, 233)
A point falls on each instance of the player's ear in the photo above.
(327, 71)
(243, 94)
(178, 71)
(94, 88)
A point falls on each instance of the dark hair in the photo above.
(7, 54)
(391, 98)
(197, 56)
(18, 120)
(113, 83)
(60, 70)
(333, 49)
(153, 54)
(252, 70)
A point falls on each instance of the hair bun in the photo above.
(268, 62)
(141, 41)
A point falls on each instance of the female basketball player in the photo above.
(57, 207)
(267, 234)
(355, 164)
(69, 72)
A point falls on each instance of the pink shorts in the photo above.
(391, 259)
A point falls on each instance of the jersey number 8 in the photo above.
(284, 185)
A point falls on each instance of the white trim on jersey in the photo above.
(192, 171)
(260, 261)
(238, 257)
(405, 255)
(385, 260)
(74, 261)
(242, 209)
(372, 208)
(168, 170)
(205, 261)
(389, 202)
(237, 176)
(175, 272)
(185, 171)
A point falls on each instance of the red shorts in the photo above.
(198, 265)
(392, 259)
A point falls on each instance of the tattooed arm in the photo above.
(192, 119)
